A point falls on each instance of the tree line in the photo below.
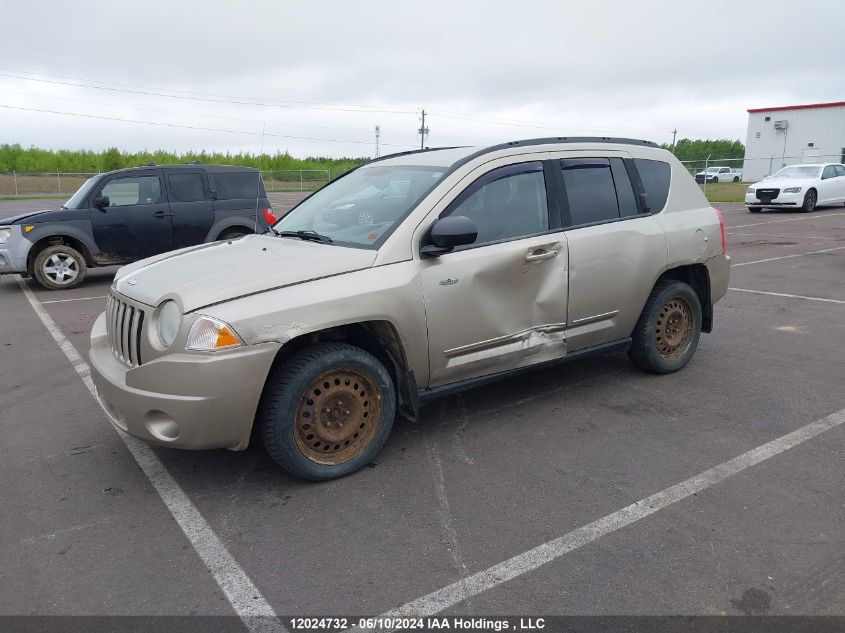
(700, 149)
(34, 160)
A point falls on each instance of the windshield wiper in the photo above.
(308, 236)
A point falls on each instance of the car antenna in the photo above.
(258, 180)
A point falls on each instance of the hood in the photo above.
(49, 215)
(211, 273)
(783, 183)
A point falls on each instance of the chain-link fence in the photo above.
(61, 184)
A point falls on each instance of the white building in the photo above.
(786, 135)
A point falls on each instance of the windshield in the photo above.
(79, 197)
(799, 171)
(362, 206)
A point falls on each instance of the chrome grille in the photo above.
(124, 324)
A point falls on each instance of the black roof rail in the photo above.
(413, 151)
(551, 140)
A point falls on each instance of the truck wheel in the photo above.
(60, 267)
(326, 411)
(668, 330)
(736, 178)
(810, 199)
(715, 179)
(755, 209)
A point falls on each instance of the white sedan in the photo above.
(803, 187)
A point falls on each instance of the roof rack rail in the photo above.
(413, 151)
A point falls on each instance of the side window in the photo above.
(724, 170)
(655, 176)
(187, 187)
(234, 185)
(624, 190)
(133, 190)
(839, 169)
(505, 203)
(589, 190)
(828, 172)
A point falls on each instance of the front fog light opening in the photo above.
(208, 333)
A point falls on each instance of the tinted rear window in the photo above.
(655, 175)
(589, 190)
(187, 187)
(235, 185)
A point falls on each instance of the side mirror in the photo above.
(447, 233)
(101, 202)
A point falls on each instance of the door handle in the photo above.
(540, 254)
(160, 214)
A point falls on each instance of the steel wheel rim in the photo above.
(674, 328)
(811, 201)
(61, 268)
(337, 416)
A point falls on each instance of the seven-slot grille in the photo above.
(767, 194)
(124, 324)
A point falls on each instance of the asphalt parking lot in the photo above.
(482, 479)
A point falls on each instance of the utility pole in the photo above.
(674, 133)
(378, 133)
(423, 131)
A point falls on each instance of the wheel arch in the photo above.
(697, 277)
(56, 239)
(378, 337)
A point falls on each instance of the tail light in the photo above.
(722, 231)
(270, 218)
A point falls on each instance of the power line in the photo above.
(193, 127)
(208, 94)
(234, 101)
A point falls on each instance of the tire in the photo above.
(658, 345)
(304, 423)
(736, 178)
(233, 234)
(755, 209)
(715, 180)
(810, 200)
(60, 267)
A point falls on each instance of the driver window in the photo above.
(828, 172)
(135, 190)
(505, 203)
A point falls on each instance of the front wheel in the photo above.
(715, 179)
(755, 209)
(667, 333)
(326, 411)
(810, 199)
(60, 267)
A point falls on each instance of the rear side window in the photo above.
(187, 187)
(839, 169)
(655, 176)
(235, 185)
(589, 190)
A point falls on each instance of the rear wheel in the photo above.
(736, 178)
(60, 267)
(810, 199)
(327, 411)
(667, 333)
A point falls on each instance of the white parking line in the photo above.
(806, 217)
(79, 299)
(767, 235)
(252, 608)
(520, 564)
(772, 259)
(783, 294)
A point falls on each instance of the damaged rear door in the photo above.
(501, 302)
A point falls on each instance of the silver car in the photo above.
(415, 275)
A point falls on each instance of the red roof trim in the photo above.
(832, 104)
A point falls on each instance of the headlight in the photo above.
(167, 322)
(751, 190)
(792, 190)
(5, 234)
(210, 334)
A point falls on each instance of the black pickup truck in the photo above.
(129, 214)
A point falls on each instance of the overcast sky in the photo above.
(484, 71)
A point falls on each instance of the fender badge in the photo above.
(449, 281)
(131, 281)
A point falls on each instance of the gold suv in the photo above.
(412, 276)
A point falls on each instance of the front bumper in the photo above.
(783, 200)
(182, 400)
(14, 252)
